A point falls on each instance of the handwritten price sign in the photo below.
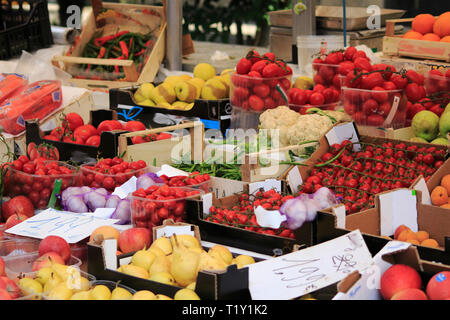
(298, 273)
(73, 227)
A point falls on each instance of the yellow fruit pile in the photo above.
(177, 261)
(180, 92)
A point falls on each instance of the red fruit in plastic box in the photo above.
(438, 288)
(375, 120)
(412, 109)
(337, 81)
(269, 103)
(359, 117)
(415, 77)
(437, 109)
(384, 108)
(370, 106)
(362, 63)
(399, 81)
(317, 99)
(245, 105)
(359, 54)
(345, 67)
(426, 102)
(256, 78)
(327, 73)
(397, 278)
(297, 96)
(259, 66)
(319, 88)
(285, 84)
(317, 78)
(351, 80)
(372, 80)
(256, 56)
(269, 55)
(261, 90)
(349, 108)
(379, 94)
(332, 58)
(316, 63)
(236, 101)
(272, 70)
(241, 93)
(389, 85)
(413, 92)
(243, 66)
(255, 102)
(349, 52)
(328, 95)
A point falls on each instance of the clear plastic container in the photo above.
(23, 264)
(38, 188)
(437, 84)
(36, 101)
(303, 109)
(11, 84)
(149, 213)
(16, 247)
(90, 177)
(309, 45)
(326, 75)
(386, 109)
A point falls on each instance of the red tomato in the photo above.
(73, 120)
(93, 141)
(85, 131)
(134, 126)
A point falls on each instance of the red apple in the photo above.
(2, 267)
(20, 205)
(10, 286)
(134, 239)
(410, 294)
(438, 288)
(46, 260)
(15, 219)
(55, 244)
(397, 278)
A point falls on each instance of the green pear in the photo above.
(440, 140)
(425, 124)
(418, 139)
(444, 122)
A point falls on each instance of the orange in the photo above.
(412, 35)
(445, 39)
(399, 230)
(431, 37)
(413, 241)
(446, 206)
(439, 196)
(406, 235)
(423, 23)
(430, 243)
(422, 235)
(445, 181)
(442, 25)
(108, 232)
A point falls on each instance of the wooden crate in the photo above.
(157, 153)
(82, 105)
(398, 46)
(422, 66)
(132, 77)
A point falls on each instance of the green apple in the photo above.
(425, 124)
(418, 139)
(440, 140)
(444, 122)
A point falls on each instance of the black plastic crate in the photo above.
(24, 25)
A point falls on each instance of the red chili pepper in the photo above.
(102, 52)
(124, 48)
(101, 40)
(137, 54)
(147, 44)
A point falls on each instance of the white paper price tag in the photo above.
(171, 171)
(307, 270)
(396, 208)
(207, 202)
(269, 218)
(343, 132)
(294, 179)
(125, 189)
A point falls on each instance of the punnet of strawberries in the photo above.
(356, 177)
(242, 214)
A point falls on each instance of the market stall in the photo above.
(132, 171)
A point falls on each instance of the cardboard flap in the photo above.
(294, 179)
(109, 248)
(348, 282)
(409, 256)
(344, 131)
(421, 185)
(340, 214)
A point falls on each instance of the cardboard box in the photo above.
(108, 147)
(378, 224)
(240, 238)
(366, 285)
(145, 18)
(223, 285)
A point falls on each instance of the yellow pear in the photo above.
(227, 72)
(62, 270)
(243, 260)
(199, 83)
(144, 295)
(185, 77)
(221, 252)
(161, 264)
(143, 258)
(52, 282)
(138, 97)
(214, 89)
(186, 91)
(163, 277)
(210, 263)
(180, 105)
(82, 295)
(156, 251)
(60, 292)
(166, 105)
(196, 249)
(100, 292)
(170, 256)
(134, 271)
(191, 286)
(186, 294)
(163, 243)
(226, 82)
(119, 293)
(173, 80)
(43, 274)
(145, 90)
(163, 92)
(78, 284)
(29, 286)
(187, 241)
(162, 297)
(148, 103)
(189, 106)
(184, 263)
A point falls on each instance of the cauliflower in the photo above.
(308, 127)
(281, 118)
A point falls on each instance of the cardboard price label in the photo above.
(304, 271)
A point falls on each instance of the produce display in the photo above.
(426, 27)
(180, 91)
